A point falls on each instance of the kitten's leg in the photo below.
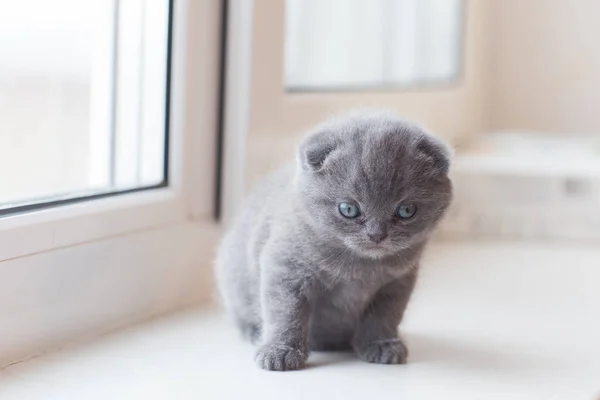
(238, 287)
(376, 337)
(250, 331)
(285, 321)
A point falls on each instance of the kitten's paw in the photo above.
(388, 351)
(279, 357)
(251, 333)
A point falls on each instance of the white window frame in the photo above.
(192, 158)
(82, 269)
(237, 106)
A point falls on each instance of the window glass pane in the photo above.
(82, 97)
(357, 43)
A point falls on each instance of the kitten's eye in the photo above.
(406, 211)
(349, 210)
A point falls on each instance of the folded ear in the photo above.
(315, 150)
(436, 152)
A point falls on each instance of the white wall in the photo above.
(544, 65)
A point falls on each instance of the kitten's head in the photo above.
(374, 182)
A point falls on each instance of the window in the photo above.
(83, 99)
(349, 44)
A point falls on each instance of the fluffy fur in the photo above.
(297, 276)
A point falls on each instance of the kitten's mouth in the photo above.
(373, 245)
(371, 250)
(376, 250)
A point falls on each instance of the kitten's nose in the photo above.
(377, 237)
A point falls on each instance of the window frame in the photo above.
(103, 121)
(190, 167)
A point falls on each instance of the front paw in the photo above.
(387, 351)
(279, 357)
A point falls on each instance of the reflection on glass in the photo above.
(340, 44)
(82, 97)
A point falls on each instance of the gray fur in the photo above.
(298, 276)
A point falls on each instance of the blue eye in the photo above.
(406, 211)
(349, 210)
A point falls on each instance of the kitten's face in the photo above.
(377, 185)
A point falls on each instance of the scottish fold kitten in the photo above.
(326, 253)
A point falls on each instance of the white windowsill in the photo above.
(53, 228)
(493, 321)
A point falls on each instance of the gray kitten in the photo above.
(326, 253)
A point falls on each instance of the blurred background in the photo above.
(513, 85)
